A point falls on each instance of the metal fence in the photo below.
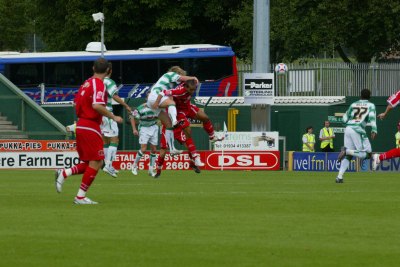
(333, 79)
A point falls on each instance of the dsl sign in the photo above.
(253, 160)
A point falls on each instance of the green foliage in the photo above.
(16, 21)
(364, 29)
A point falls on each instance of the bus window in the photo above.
(87, 70)
(25, 75)
(206, 69)
(165, 64)
(139, 71)
(63, 74)
(116, 73)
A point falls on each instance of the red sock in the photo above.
(87, 179)
(79, 168)
(160, 161)
(190, 145)
(393, 153)
(209, 128)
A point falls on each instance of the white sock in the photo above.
(152, 160)
(343, 167)
(172, 113)
(356, 153)
(112, 151)
(68, 172)
(81, 193)
(105, 153)
(169, 136)
(139, 155)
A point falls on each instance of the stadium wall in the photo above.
(289, 121)
(30, 118)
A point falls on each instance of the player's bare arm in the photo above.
(185, 78)
(133, 124)
(384, 114)
(122, 102)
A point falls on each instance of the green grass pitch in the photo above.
(229, 218)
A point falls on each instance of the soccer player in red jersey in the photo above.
(182, 95)
(90, 107)
(392, 101)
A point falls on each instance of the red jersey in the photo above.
(92, 91)
(181, 97)
(394, 99)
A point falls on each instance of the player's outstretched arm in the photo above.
(184, 78)
(384, 114)
(122, 102)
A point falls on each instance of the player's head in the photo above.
(365, 94)
(100, 66)
(309, 129)
(177, 70)
(398, 125)
(327, 124)
(190, 86)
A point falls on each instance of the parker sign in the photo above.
(258, 88)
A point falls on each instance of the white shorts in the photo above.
(109, 128)
(152, 99)
(355, 141)
(148, 135)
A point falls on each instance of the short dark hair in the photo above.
(100, 65)
(190, 83)
(308, 128)
(365, 94)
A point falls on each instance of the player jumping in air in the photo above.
(157, 101)
(182, 95)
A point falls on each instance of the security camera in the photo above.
(98, 17)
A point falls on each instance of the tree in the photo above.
(15, 23)
(133, 24)
(300, 28)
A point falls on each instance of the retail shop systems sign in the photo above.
(258, 88)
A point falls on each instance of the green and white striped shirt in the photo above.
(168, 81)
(359, 114)
(145, 116)
(112, 89)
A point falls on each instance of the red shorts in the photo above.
(89, 143)
(183, 115)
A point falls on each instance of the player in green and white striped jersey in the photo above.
(148, 133)
(356, 142)
(109, 128)
(158, 101)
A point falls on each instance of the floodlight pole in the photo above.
(100, 17)
(261, 113)
(102, 37)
